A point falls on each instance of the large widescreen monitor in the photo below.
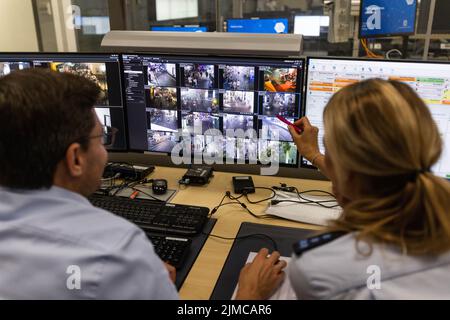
(430, 80)
(381, 18)
(103, 69)
(170, 96)
(280, 25)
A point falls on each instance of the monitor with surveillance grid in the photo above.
(430, 80)
(103, 69)
(172, 97)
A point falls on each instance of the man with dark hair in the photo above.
(53, 243)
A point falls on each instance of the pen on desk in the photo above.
(134, 195)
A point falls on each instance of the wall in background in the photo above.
(17, 26)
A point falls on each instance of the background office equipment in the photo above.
(430, 80)
(256, 25)
(179, 28)
(204, 43)
(387, 18)
(252, 241)
(104, 69)
(243, 184)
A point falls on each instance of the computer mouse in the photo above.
(159, 186)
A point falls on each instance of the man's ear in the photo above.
(75, 160)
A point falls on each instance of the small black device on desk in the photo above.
(159, 186)
(127, 171)
(243, 184)
(197, 175)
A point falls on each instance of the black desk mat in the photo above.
(283, 236)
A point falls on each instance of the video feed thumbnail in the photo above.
(280, 79)
(162, 74)
(236, 121)
(238, 101)
(274, 129)
(162, 120)
(239, 78)
(279, 104)
(269, 151)
(8, 67)
(288, 153)
(197, 123)
(95, 72)
(104, 115)
(212, 146)
(162, 98)
(160, 141)
(246, 149)
(230, 148)
(198, 100)
(199, 76)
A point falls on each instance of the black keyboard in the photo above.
(154, 216)
(172, 250)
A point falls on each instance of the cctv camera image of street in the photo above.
(198, 100)
(238, 102)
(162, 98)
(230, 148)
(282, 104)
(276, 151)
(200, 76)
(247, 149)
(269, 151)
(162, 120)
(161, 75)
(197, 123)
(95, 72)
(212, 146)
(288, 153)
(160, 141)
(274, 129)
(235, 121)
(8, 67)
(239, 78)
(280, 79)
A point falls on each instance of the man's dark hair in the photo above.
(41, 113)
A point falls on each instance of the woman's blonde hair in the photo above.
(383, 133)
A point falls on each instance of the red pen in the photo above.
(299, 131)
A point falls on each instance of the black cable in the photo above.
(243, 205)
(275, 246)
(274, 194)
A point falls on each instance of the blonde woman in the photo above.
(381, 143)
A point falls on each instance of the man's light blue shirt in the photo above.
(55, 245)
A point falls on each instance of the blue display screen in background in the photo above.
(387, 17)
(180, 29)
(258, 25)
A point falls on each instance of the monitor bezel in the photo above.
(385, 35)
